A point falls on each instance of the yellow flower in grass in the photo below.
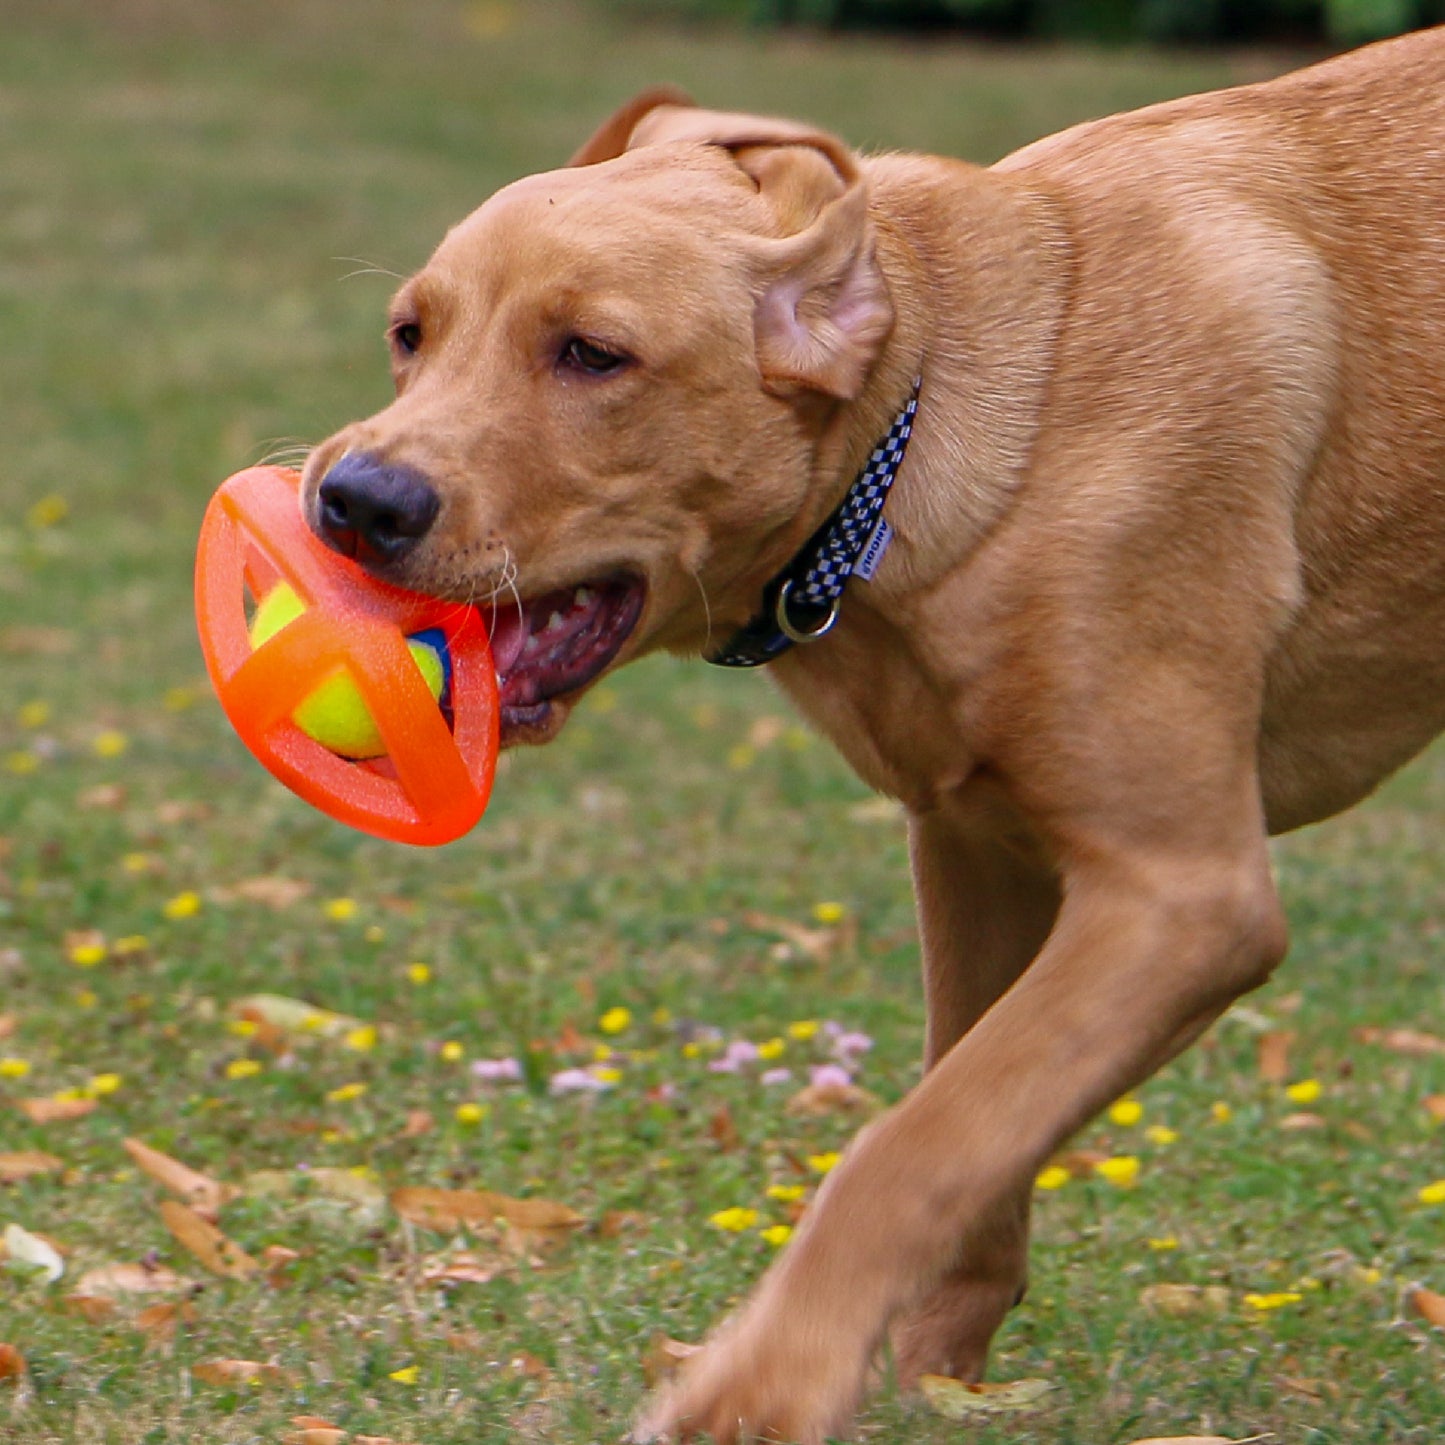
(608, 1076)
(85, 998)
(243, 1068)
(771, 1049)
(829, 912)
(13, 1068)
(48, 511)
(183, 905)
(1220, 1112)
(661, 1017)
(242, 1028)
(1161, 1134)
(823, 1163)
(1163, 1244)
(345, 1093)
(418, 973)
(1433, 1193)
(1054, 1176)
(787, 1193)
(803, 1029)
(451, 1052)
(339, 909)
(470, 1114)
(109, 744)
(615, 1020)
(1122, 1170)
(777, 1234)
(131, 944)
(178, 699)
(1126, 1113)
(21, 763)
(362, 1039)
(1276, 1301)
(103, 1084)
(33, 714)
(734, 1220)
(408, 1375)
(692, 1049)
(87, 955)
(1304, 1092)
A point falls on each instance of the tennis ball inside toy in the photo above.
(335, 714)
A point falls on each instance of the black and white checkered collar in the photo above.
(801, 603)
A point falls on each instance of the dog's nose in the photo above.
(373, 511)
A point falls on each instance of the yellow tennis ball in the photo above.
(334, 713)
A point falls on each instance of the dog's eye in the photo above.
(406, 337)
(579, 354)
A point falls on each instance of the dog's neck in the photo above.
(979, 293)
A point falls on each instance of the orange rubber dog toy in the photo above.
(433, 783)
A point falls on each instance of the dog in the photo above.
(1155, 408)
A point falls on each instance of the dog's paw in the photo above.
(756, 1382)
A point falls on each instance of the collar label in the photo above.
(873, 550)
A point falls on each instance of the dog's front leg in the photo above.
(987, 899)
(1150, 944)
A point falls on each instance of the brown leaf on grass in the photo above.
(204, 1194)
(1273, 1055)
(56, 1111)
(1081, 1163)
(959, 1400)
(94, 1309)
(37, 641)
(26, 1164)
(664, 1358)
(1296, 1122)
(619, 1221)
(448, 1210)
(238, 1372)
(1435, 1106)
(465, 1267)
(213, 1249)
(313, 1422)
(104, 797)
(815, 944)
(1201, 1440)
(723, 1130)
(8, 1024)
(12, 1363)
(1312, 1390)
(315, 1435)
(1428, 1305)
(278, 1261)
(1179, 1301)
(1402, 1041)
(132, 1279)
(272, 890)
(158, 1322)
(293, 1015)
(418, 1122)
(817, 1100)
(183, 810)
(529, 1366)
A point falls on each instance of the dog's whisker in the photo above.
(367, 268)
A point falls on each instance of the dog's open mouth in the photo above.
(557, 643)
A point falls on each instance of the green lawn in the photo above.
(199, 203)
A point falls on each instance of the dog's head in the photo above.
(612, 381)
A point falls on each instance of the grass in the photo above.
(180, 182)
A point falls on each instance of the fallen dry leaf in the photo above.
(418, 1122)
(8, 1024)
(1081, 1163)
(104, 797)
(131, 1279)
(204, 1194)
(466, 1267)
(529, 1366)
(158, 1322)
(1273, 1055)
(12, 1363)
(1178, 1301)
(1312, 1390)
(1296, 1122)
(55, 1111)
(619, 1221)
(27, 1163)
(664, 1358)
(1428, 1305)
(723, 1131)
(213, 1249)
(816, 944)
(1201, 1440)
(315, 1435)
(272, 890)
(1435, 1106)
(816, 1100)
(312, 1422)
(293, 1015)
(1402, 1041)
(278, 1260)
(94, 1309)
(448, 1210)
(958, 1400)
(238, 1372)
(31, 1253)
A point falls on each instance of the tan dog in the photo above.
(1167, 573)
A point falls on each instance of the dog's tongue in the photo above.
(509, 631)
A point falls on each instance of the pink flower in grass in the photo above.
(577, 1081)
(829, 1076)
(497, 1071)
(775, 1076)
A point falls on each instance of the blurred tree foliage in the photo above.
(1347, 22)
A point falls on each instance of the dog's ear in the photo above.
(614, 135)
(823, 309)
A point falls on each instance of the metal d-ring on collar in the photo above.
(801, 603)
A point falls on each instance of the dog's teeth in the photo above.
(532, 645)
(553, 622)
(582, 597)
